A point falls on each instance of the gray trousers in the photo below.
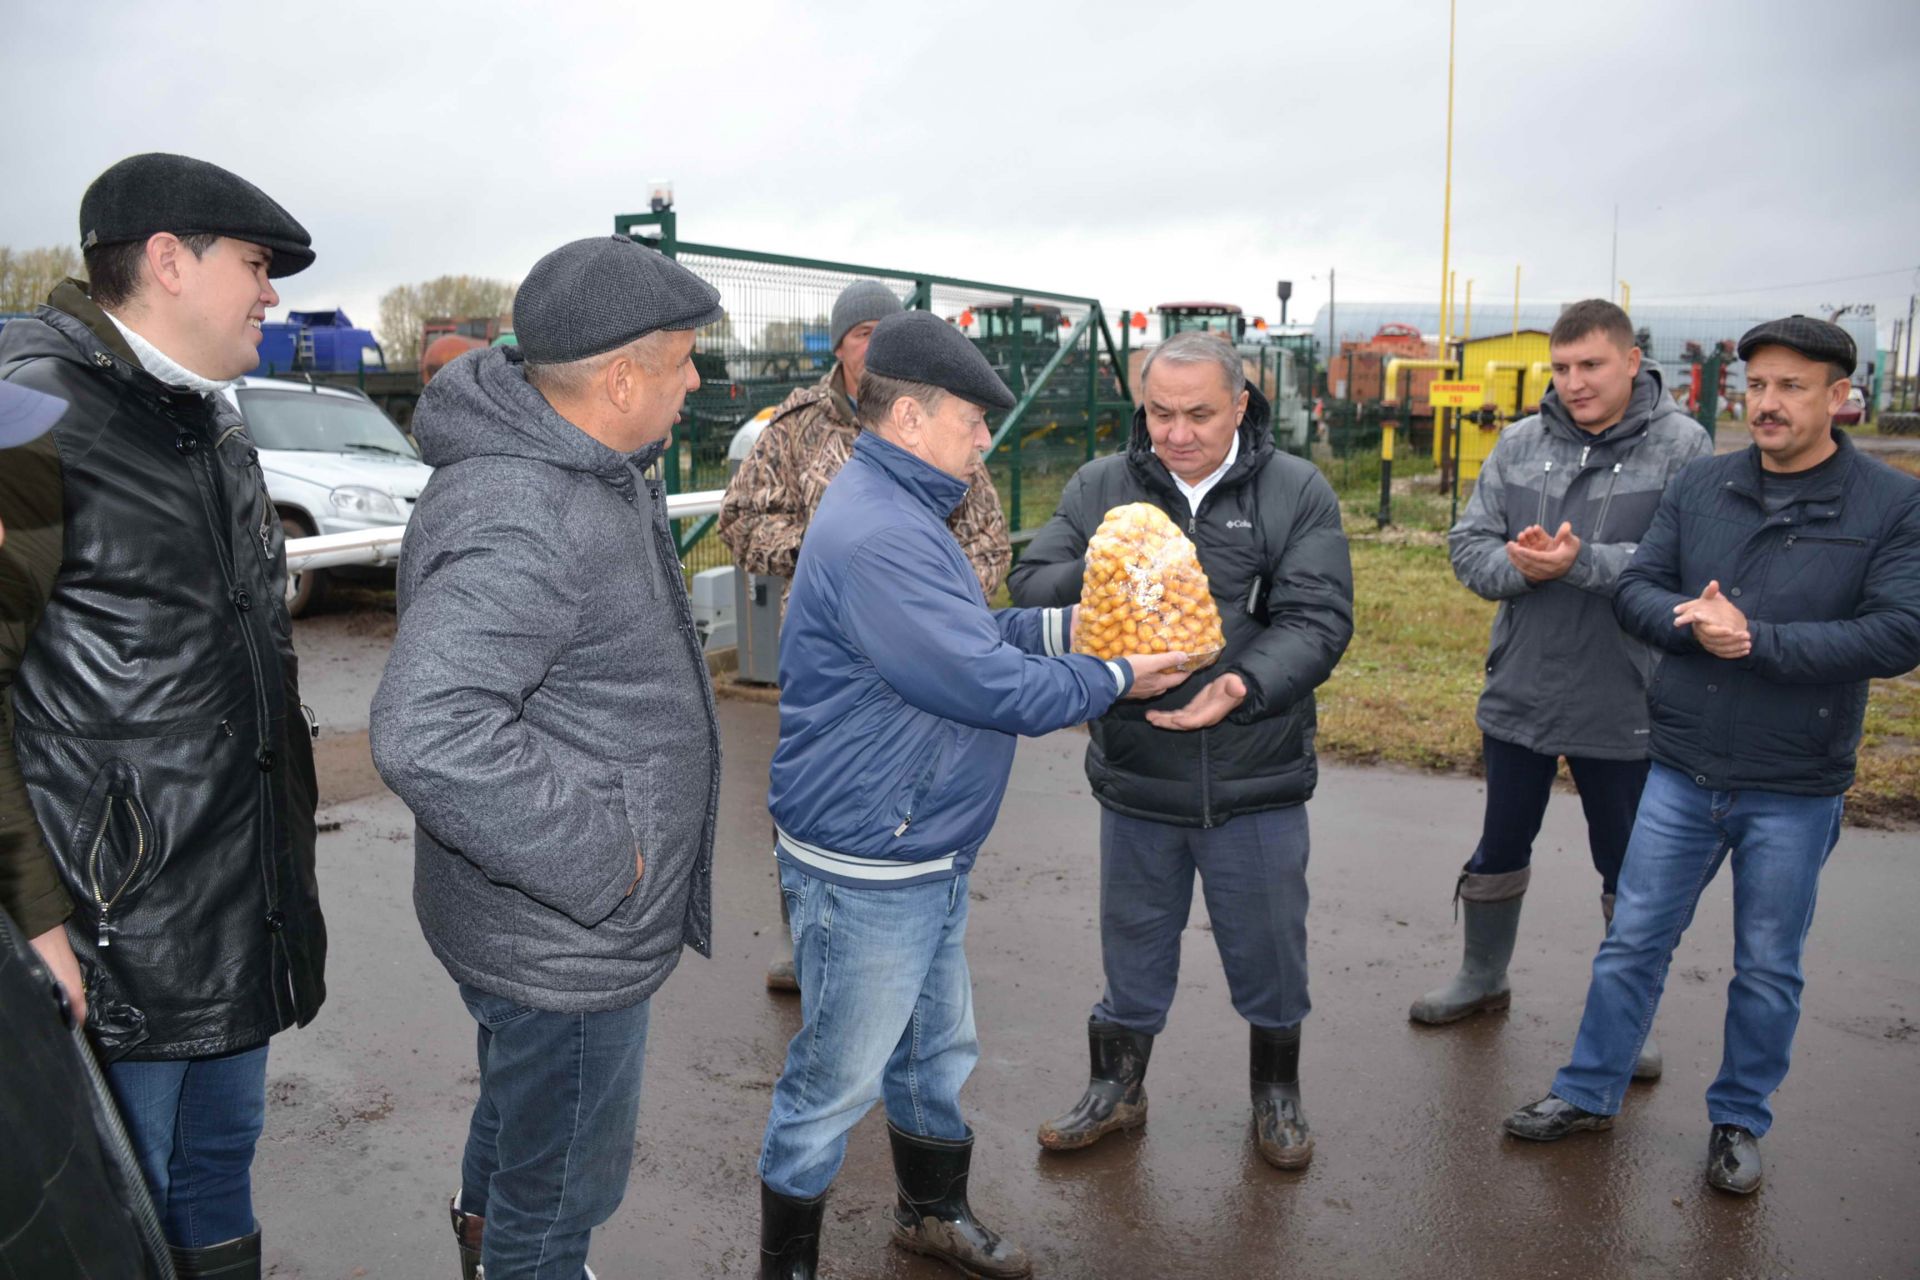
(1253, 870)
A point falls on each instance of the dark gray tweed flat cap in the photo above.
(918, 346)
(146, 194)
(1814, 339)
(597, 295)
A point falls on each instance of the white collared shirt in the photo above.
(1195, 492)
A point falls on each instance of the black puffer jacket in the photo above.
(1268, 535)
(1831, 590)
(157, 722)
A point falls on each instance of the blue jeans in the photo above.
(1253, 870)
(551, 1140)
(886, 1010)
(1519, 783)
(194, 1123)
(1778, 844)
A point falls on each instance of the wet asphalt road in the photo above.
(1411, 1177)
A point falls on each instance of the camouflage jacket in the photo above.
(779, 485)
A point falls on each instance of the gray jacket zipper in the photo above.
(1545, 482)
(1606, 502)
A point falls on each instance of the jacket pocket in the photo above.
(113, 847)
(918, 783)
(666, 853)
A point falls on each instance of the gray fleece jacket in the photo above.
(1562, 677)
(545, 711)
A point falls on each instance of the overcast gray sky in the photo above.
(1134, 151)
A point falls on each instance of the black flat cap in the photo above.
(146, 194)
(918, 346)
(597, 295)
(1814, 339)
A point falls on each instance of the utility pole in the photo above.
(1613, 268)
(1446, 206)
(1907, 379)
(1333, 329)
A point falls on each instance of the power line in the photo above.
(1775, 288)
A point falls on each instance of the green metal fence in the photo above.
(1057, 351)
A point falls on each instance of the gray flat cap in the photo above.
(146, 194)
(859, 302)
(1814, 339)
(918, 346)
(597, 295)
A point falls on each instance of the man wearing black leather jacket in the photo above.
(156, 773)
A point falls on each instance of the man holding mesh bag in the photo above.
(1214, 776)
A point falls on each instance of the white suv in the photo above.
(334, 463)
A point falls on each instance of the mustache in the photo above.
(1769, 420)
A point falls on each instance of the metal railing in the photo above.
(1056, 350)
(382, 546)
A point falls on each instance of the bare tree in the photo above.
(27, 276)
(405, 308)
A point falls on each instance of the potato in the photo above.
(1144, 591)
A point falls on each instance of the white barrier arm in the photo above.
(382, 546)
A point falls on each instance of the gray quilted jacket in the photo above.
(545, 711)
(1562, 677)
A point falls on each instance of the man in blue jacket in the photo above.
(1779, 580)
(900, 696)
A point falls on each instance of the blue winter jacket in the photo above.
(900, 691)
(1831, 590)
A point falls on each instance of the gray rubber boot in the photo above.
(781, 976)
(1651, 1062)
(1491, 927)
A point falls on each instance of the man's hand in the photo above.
(639, 869)
(1540, 558)
(1717, 623)
(57, 954)
(1214, 704)
(1154, 674)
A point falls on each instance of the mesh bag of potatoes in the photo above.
(1144, 591)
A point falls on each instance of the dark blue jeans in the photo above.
(1519, 783)
(194, 1123)
(1253, 870)
(551, 1140)
(1778, 844)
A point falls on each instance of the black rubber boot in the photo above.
(468, 1228)
(1116, 1096)
(933, 1217)
(789, 1235)
(1651, 1061)
(237, 1259)
(1279, 1124)
(1491, 905)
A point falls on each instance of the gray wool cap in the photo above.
(1814, 339)
(918, 346)
(599, 294)
(859, 302)
(144, 195)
